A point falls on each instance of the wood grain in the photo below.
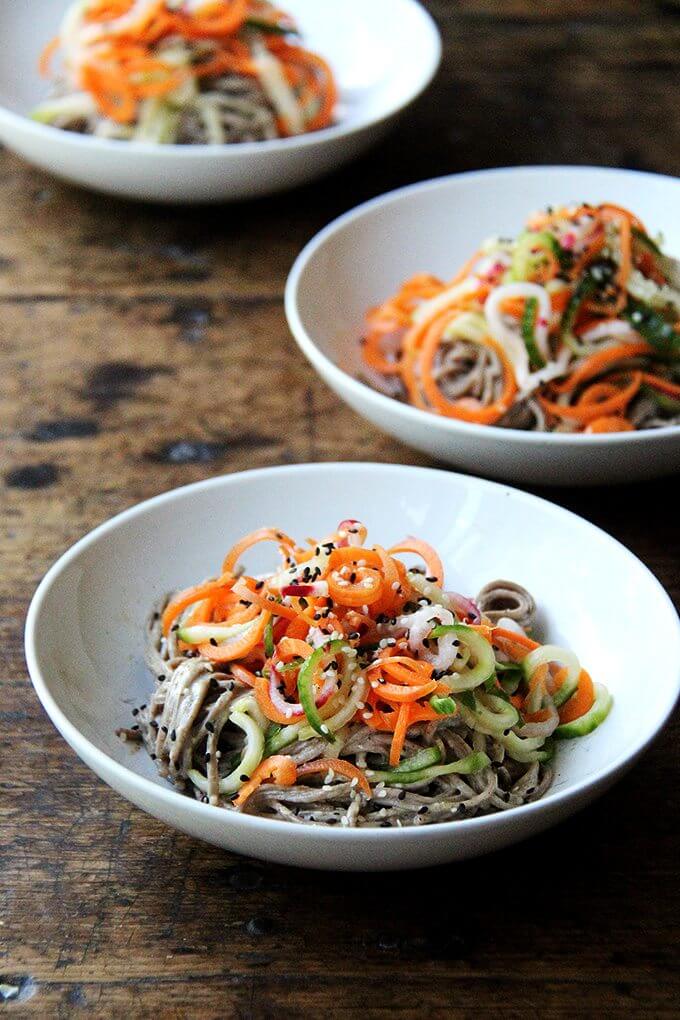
(127, 340)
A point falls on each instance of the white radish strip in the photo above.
(429, 309)
(509, 336)
(277, 89)
(618, 328)
(553, 370)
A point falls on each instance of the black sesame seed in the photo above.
(153, 724)
(213, 642)
(431, 579)
(401, 795)
(156, 616)
(352, 577)
(243, 602)
(210, 727)
(161, 677)
(423, 810)
(175, 628)
(207, 755)
(259, 585)
(135, 711)
(244, 779)
(152, 756)
(173, 735)
(164, 729)
(303, 602)
(230, 685)
(136, 726)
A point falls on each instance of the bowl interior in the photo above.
(382, 52)
(86, 631)
(435, 227)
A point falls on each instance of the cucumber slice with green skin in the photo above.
(306, 686)
(467, 678)
(443, 705)
(529, 256)
(252, 754)
(465, 767)
(593, 718)
(199, 633)
(553, 653)
(421, 760)
(527, 749)
(278, 737)
(487, 714)
(269, 638)
(527, 328)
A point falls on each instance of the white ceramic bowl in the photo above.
(84, 639)
(362, 257)
(384, 54)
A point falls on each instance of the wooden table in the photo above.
(132, 342)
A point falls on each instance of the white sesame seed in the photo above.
(381, 793)
(395, 585)
(344, 820)
(354, 781)
(367, 715)
(324, 728)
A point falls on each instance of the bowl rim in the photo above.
(23, 123)
(388, 406)
(151, 791)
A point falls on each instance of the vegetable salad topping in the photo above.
(206, 71)
(349, 686)
(572, 327)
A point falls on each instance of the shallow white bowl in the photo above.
(384, 54)
(84, 635)
(434, 227)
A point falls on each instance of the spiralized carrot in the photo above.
(280, 768)
(589, 411)
(435, 567)
(339, 767)
(599, 362)
(610, 423)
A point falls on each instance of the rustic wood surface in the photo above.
(126, 337)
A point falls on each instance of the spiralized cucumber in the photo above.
(584, 725)
(553, 653)
(474, 762)
(466, 678)
(246, 715)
